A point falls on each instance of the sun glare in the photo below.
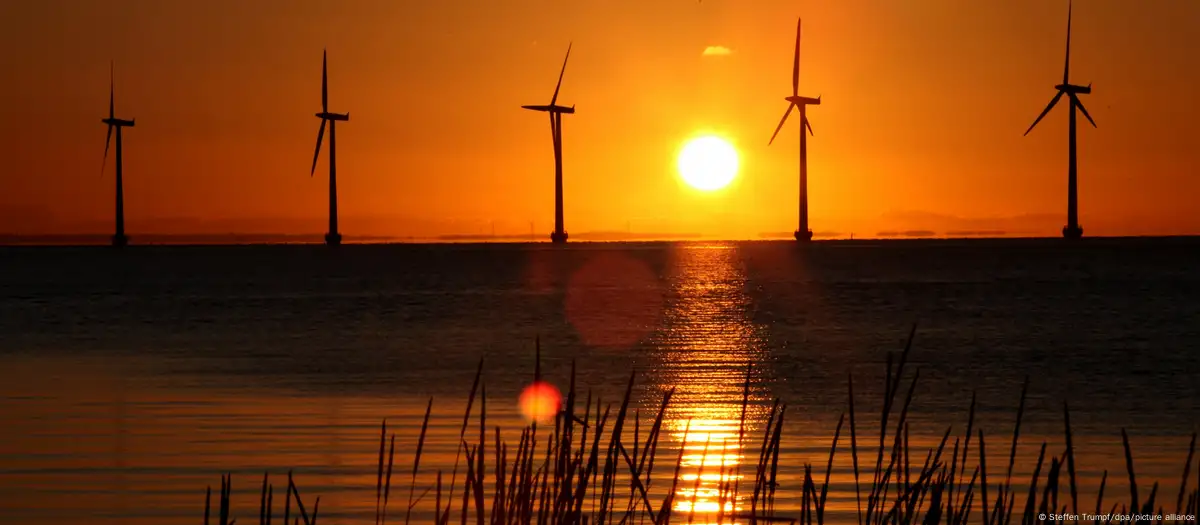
(708, 163)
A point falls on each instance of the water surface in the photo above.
(129, 381)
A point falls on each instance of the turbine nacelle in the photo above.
(796, 101)
(803, 101)
(1067, 88)
(553, 108)
(1072, 89)
(325, 115)
(118, 122)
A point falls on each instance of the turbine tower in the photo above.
(118, 239)
(803, 234)
(332, 238)
(556, 113)
(1072, 230)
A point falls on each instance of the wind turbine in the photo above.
(1072, 230)
(332, 238)
(118, 239)
(556, 112)
(796, 101)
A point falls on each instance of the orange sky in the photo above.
(924, 104)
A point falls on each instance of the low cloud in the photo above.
(717, 51)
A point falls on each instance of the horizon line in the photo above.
(263, 239)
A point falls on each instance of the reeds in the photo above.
(589, 469)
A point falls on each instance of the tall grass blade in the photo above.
(854, 449)
(379, 471)
(299, 502)
(664, 515)
(837, 433)
(983, 484)
(387, 480)
(262, 502)
(416, 462)
(1100, 495)
(1031, 500)
(1070, 460)
(287, 506)
(1133, 492)
(1012, 455)
(699, 476)
(610, 460)
(462, 434)
(967, 442)
(1187, 465)
(741, 437)
(775, 440)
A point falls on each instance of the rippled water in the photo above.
(130, 381)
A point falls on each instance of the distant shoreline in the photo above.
(84, 240)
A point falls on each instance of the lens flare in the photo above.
(539, 402)
(613, 301)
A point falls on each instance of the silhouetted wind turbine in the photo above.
(118, 239)
(1072, 230)
(556, 112)
(332, 238)
(797, 101)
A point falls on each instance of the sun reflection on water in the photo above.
(709, 339)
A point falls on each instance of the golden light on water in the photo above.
(711, 339)
(540, 401)
(711, 466)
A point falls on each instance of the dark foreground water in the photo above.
(130, 380)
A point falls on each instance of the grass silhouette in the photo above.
(588, 458)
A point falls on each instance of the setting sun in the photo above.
(708, 163)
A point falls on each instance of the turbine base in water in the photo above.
(803, 236)
(558, 237)
(119, 241)
(333, 239)
(1072, 232)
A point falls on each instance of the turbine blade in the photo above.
(1053, 101)
(560, 75)
(320, 136)
(112, 90)
(324, 83)
(1067, 64)
(809, 126)
(781, 121)
(796, 63)
(1079, 104)
(107, 140)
